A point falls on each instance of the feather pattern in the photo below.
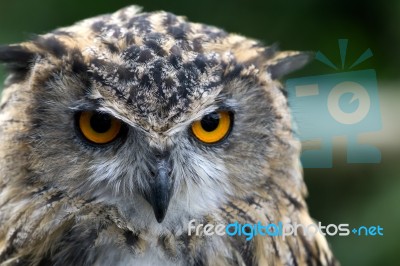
(64, 201)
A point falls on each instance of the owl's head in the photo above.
(150, 113)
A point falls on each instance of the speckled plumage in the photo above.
(64, 202)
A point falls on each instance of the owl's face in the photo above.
(161, 118)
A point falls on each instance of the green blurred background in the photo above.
(358, 194)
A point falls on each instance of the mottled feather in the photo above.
(64, 202)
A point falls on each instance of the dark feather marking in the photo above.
(247, 253)
(15, 53)
(242, 213)
(51, 45)
(10, 248)
(310, 259)
(198, 261)
(170, 19)
(213, 33)
(145, 56)
(155, 46)
(198, 45)
(250, 200)
(282, 142)
(175, 60)
(98, 26)
(297, 204)
(80, 242)
(234, 73)
(169, 82)
(124, 73)
(201, 62)
(157, 76)
(141, 22)
(145, 82)
(285, 93)
(112, 47)
(273, 239)
(46, 261)
(295, 263)
(55, 197)
(131, 239)
(131, 53)
(129, 40)
(78, 65)
(17, 58)
(178, 32)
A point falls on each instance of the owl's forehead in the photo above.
(160, 75)
(156, 65)
(161, 66)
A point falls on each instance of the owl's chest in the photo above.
(152, 255)
(149, 259)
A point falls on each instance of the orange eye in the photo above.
(98, 128)
(213, 127)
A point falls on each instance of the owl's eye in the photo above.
(213, 127)
(98, 128)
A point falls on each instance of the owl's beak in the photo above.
(161, 186)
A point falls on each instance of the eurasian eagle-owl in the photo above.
(117, 131)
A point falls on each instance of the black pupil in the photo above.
(210, 122)
(100, 123)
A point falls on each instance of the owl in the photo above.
(119, 131)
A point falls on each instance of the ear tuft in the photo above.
(286, 62)
(16, 57)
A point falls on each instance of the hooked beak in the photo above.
(161, 188)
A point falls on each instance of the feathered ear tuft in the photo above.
(16, 57)
(286, 62)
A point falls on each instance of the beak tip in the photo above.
(160, 219)
(160, 215)
(159, 206)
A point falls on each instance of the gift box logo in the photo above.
(341, 104)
